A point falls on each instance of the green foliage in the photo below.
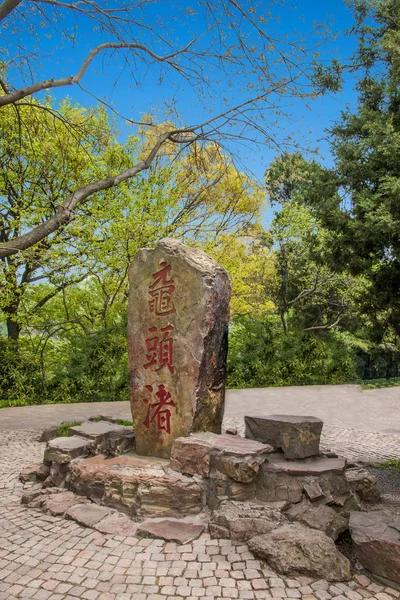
(374, 384)
(124, 422)
(63, 430)
(392, 465)
(260, 356)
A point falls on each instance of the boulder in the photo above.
(170, 531)
(363, 484)
(296, 436)
(234, 456)
(109, 438)
(139, 486)
(295, 550)
(376, 540)
(242, 521)
(178, 316)
(320, 517)
(63, 449)
(48, 434)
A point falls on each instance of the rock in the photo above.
(312, 490)
(376, 541)
(48, 434)
(58, 504)
(276, 487)
(363, 484)
(34, 472)
(141, 487)
(321, 517)
(294, 550)
(170, 531)
(296, 436)
(191, 455)
(63, 449)
(109, 438)
(116, 524)
(310, 466)
(234, 456)
(87, 514)
(177, 342)
(242, 521)
(220, 487)
(35, 498)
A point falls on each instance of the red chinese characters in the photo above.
(160, 349)
(159, 412)
(161, 291)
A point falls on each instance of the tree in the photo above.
(233, 51)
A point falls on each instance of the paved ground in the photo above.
(49, 558)
(358, 424)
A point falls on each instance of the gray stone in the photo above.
(49, 433)
(63, 449)
(275, 487)
(170, 531)
(219, 487)
(177, 341)
(109, 438)
(310, 466)
(321, 517)
(363, 484)
(376, 540)
(296, 436)
(87, 514)
(34, 472)
(295, 550)
(243, 520)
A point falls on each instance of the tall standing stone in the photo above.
(177, 337)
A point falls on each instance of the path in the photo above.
(49, 558)
(359, 424)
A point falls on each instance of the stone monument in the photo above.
(177, 342)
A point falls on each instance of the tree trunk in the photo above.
(13, 328)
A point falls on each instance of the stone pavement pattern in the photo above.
(49, 558)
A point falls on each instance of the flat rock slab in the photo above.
(234, 456)
(138, 486)
(311, 466)
(58, 504)
(178, 315)
(297, 436)
(170, 531)
(295, 550)
(116, 524)
(97, 430)
(87, 514)
(63, 449)
(376, 539)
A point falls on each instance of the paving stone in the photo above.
(170, 530)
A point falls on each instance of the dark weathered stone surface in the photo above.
(48, 434)
(363, 484)
(170, 531)
(234, 456)
(376, 539)
(220, 487)
(63, 449)
(275, 487)
(177, 336)
(295, 550)
(87, 514)
(242, 521)
(296, 436)
(320, 517)
(139, 486)
(109, 438)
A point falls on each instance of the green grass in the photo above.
(373, 384)
(392, 465)
(63, 430)
(124, 422)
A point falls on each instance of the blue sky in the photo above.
(115, 84)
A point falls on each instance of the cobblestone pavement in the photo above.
(49, 558)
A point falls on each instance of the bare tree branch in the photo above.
(7, 7)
